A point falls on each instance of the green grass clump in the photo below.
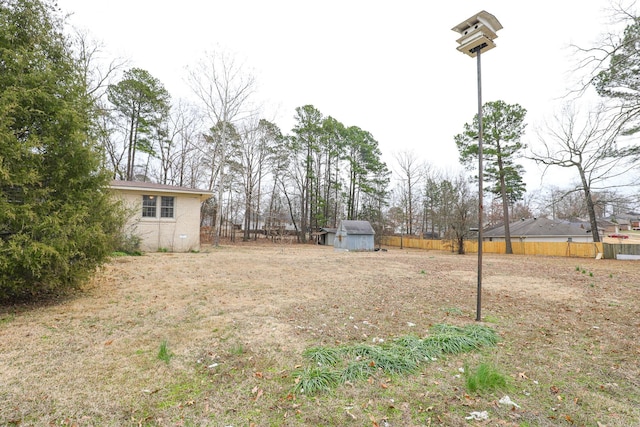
(485, 336)
(358, 370)
(417, 349)
(452, 343)
(164, 353)
(237, 349)
(486, 377)
(452, 310)
(337, 365)
(315, 379)
(394, 361)
(323, 355)
(116, 254)
(362, 351)
(491, 319)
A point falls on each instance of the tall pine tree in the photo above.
(503, 126)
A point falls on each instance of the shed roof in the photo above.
(357, 227)
(158, 188)
(538, 227)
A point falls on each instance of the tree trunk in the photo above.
(591, 210)
(216, 238)
(247, 218)
(505, 208)
(130, 152)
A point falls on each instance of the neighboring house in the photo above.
(613, 226)
(354, 236)
(621, 224)
(628, 219)
(539, 230)
(163, 216)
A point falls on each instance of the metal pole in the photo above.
(480, 190)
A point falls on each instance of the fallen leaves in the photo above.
(257, 392)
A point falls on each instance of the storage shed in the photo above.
(354, 236)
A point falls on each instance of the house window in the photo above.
(149, 206)
(166, 207)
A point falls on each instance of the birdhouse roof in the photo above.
(482, 17)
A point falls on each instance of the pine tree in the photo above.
(57, 219)
(503, 127)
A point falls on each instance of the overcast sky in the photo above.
(390, 68)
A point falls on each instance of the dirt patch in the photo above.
(530, 288)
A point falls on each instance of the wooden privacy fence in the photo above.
(566, 249)
(611, 251)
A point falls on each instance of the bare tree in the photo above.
(225, 90)
(464, 213)
(588, 143)
(97, 72)
(255, 139)
(410, 173)
(180, 150)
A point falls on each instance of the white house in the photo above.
(163, 216)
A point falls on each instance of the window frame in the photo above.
(147, 207)
(167, 212)
(158, 207)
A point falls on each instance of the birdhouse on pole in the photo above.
(477, 33)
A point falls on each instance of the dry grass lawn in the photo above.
(236, 320)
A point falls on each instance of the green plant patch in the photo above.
(452, 310)
(184, 389)
(333, 366)
(323, 355)
(417, 349)
(490, 319)
(237, 349)
(6, 318)
(117, 254)
(164, 353)
(315, 379)
(357, 370)
(485, 377)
